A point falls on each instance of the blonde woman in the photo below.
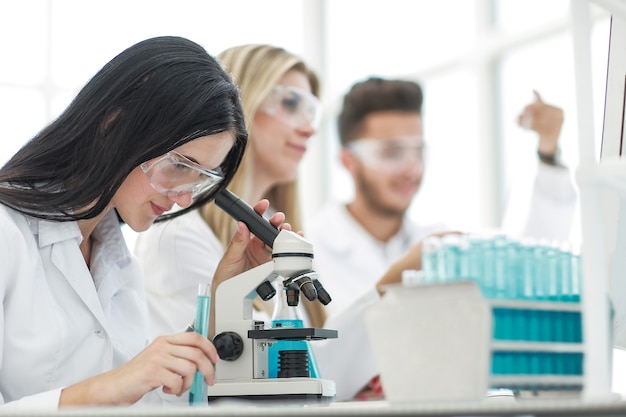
(279, 97)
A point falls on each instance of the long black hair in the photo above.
(153, 97)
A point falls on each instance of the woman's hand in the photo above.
(169, 362)
(245, 250)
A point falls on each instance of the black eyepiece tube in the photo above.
(241, 211)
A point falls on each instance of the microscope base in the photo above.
(300, 390)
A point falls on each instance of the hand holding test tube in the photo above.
(198, 395)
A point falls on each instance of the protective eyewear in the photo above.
(173, 174)
(293, 106)
(390, 155)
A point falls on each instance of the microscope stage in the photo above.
(293, 333)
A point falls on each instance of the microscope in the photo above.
(242, 342)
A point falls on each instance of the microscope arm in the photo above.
(233, 297)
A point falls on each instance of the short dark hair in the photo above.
(153, 97)
(376, 95)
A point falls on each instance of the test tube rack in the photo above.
(450, 342)
(536, 347)
(533, 291)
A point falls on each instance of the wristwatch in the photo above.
(552, 160)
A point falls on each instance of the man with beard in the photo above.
(380, 128)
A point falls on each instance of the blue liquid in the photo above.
(198, 394)
(280, 345)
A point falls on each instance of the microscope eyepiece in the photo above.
(242, 211)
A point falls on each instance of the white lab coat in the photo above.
(548, 210)
(350, 261)
(60, 322)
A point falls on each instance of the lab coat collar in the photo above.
(107, 231)
(50, 232)
(109, 255)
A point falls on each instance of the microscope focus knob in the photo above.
(229, 345)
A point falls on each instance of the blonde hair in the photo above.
(256, 69)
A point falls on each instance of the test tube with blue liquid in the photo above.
(198, 393)
(500, 268)
(454, 257)
(430, 256)
(476, 264)
(565, 272)
(514, 288)
(552, 271)
(576, 277)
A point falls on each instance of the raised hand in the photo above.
(544, 119)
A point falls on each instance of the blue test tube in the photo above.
(454, 257)
(430, 255)
(559, 326)
(480, 263)
(521, 325)
(527, 268)
(541, 271)
(488, 279)
(513, 268)
(545, 325)
(475, 258)
(499, 268)
(576, 277)
(198, 393)
(565, 271)
(553, 272)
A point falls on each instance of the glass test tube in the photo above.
(198, 393)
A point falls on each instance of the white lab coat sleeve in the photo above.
(348, 360)
(550, 208)
(11, 258)
(48, 400)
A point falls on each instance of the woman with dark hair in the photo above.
(160, 124)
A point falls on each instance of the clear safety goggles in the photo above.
(173, 174)
(293, 106)
(390, 155)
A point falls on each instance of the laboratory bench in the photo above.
(504, 407)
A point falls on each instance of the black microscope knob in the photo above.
(229, 345)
